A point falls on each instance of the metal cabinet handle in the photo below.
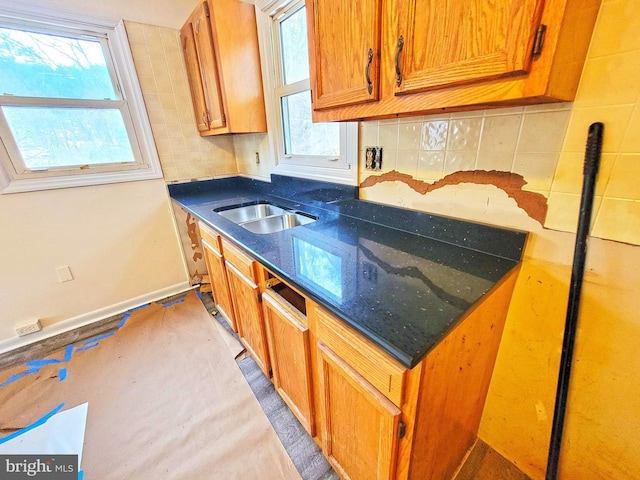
(366, 71)
(398, 51)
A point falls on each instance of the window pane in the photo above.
(42, 65)
(295, 56)
(62, 137)
(301, 137)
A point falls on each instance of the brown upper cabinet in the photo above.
(346, 49)
(220, 47)
(407, 57)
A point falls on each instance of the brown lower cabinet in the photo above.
(360, 424)
(290, 351)
(214, 259)
(373, 417)
(242, 271)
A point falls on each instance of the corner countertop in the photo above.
(401, 278)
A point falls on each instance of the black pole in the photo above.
(591, 164)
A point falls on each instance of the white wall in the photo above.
(119, 240)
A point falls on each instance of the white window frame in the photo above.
(112, 34)
(342, 170)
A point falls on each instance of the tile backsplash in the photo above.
(543, 143)
(184, 155)
(523, 140)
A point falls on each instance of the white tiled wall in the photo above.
(184, 155)
(246, 147)
(523, 140)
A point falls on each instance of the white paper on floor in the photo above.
(61, 434)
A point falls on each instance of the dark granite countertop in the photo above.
(401, 278)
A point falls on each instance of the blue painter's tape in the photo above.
(68, 352)
(88, 347)
(37, 423)
(42, 363)
(199, 293)
(18, 376)
(62, 373)
(175, 302)
(128, 314)
(138, 308)
(97, 339)
(124, 319)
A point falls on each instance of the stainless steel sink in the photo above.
(264, 218)
(277, 223)
(251, 212)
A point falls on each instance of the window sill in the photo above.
(9, 185)
(342, 176)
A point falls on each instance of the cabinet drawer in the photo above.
(210, 236)
(383, 372)
(239, 259)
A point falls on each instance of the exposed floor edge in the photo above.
(20, 349)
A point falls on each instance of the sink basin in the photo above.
(277, 223)
(264, 217)
(250, 212)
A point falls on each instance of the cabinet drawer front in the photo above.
(211, 237)
(239, 259)
(383, 372)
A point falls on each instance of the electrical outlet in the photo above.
(373, 158)
(27, 328)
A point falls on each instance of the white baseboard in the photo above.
(91, 317)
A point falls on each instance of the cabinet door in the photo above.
(192, 65)
(344, 48)
(289, 348)
(360, 425)
(462, 41)
(219, 283)
(207, 64)
(249, 316)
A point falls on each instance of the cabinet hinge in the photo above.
(538, 40)
(402, 429)
(206, 10)
(260, 298)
